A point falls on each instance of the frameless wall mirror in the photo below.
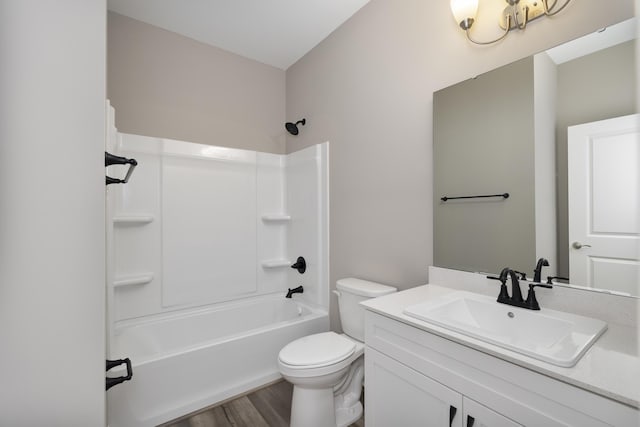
(559, 132)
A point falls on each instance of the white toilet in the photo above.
(327, 369)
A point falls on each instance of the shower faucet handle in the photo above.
(300, 265)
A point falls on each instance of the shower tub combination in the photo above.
(199, 247)
(237, 348)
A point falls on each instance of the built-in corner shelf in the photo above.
(276, 263)
(142, 279)
(276, 218)
(132, 219)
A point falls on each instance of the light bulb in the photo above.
(464, 11)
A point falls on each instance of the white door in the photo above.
(604, 190)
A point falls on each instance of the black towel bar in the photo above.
(110, 382)
(110, 159)
(504, 195)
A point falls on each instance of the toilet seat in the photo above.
(314, 351)
(318, 354)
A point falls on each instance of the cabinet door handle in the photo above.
(470, 421)
(452, 414)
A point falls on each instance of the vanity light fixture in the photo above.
(515, 16)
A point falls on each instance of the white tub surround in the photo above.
(199, 225)
(601, 389)
(199, 247)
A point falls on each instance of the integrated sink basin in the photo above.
(551, 336)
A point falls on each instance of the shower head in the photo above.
(292, 128)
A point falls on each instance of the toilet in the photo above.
(327, 369)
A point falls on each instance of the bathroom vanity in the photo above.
(418, 373)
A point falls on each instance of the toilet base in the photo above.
(312, 408)
(327, 396)
(347, 395)
(316, 408)
(348, 416)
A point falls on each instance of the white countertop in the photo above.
(611, 367)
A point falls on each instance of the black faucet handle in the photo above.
(539, 285)
(531, 302)
(497, 278)
(504, 293)
(551, 278)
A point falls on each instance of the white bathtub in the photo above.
(184, 362)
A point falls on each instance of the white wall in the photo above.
(545, 88)
(52, 106)
(368, 89)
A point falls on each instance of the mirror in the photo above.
(507, 131)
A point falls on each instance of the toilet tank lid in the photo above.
(364, 288)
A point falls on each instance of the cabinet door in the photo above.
(399, 396)
(477, 415)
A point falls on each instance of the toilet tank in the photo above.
(350, 293)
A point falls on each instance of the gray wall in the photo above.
(595, 87)
(368, 89)
(166, 85)
(483, 143)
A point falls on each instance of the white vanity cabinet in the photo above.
(417, 378)
(477, 415)
(400, 396)
(403, 397)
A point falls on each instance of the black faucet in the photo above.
(516, 294)
(537, 272)
(515, 299)
(297, 290)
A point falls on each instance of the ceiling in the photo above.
(274, 32)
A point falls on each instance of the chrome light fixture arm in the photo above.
(549, 10)
(468, 26)
(522, 25)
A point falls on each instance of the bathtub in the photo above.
(183, 362)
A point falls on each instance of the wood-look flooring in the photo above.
(267, 407)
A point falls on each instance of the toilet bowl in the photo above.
(327, 369)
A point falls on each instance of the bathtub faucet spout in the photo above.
(297, 290)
